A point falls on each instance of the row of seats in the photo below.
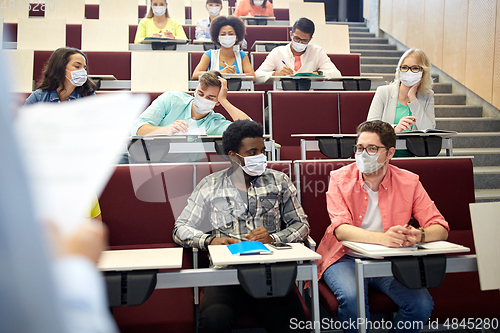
(141, 203)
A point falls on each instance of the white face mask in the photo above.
(258, 2)
(368, 164)
(213, 11)
(409, 78)
(298, 47)
(159, 10)
(78, 77)
(254, 165)
(227, 41)
(202, 105)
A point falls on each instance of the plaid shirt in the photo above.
(216, 209)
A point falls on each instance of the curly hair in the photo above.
(384, 130)
(54, 72)
(263, 4)
(239, 130)
(424, 62)
(221, 21)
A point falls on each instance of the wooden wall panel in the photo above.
(386, 16)
(366, 9)
(415, 14)
(455, 38)
(480, 47)
(433, 31)
(496, 71)
(399, 23)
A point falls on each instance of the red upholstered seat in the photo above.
(308, 112)
(347, 64)
(353, 109)
(281, 14)
(254, 33)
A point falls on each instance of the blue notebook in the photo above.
(248, 247)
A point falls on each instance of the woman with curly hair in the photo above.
(64, 78)
(225, 33)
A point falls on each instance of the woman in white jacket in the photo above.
(408, 102)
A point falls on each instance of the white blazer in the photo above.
(385, 101)
(313, 59)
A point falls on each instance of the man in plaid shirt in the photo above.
(245, 202)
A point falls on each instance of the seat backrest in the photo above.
(119, 29)
(73, 11)
(347, 64)
(141, 202)
(194, 60)
(119, 10)
(353, 109)
(281, 14)
(132, 30)
(257, 59)
(22, 69)
(41, 34)
(250, 102)
(168, 65)
(92, 11)
(265, 32)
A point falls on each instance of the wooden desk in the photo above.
(246, 84)
(260, 45)
(312, 144)
(257, 20)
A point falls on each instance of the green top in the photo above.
(402, 111)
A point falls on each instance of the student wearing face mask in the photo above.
(245, 202)
(253, 8)
(214, 8)
(64, 78)
(174, 111)
(226, 32)
(408, 102)
(371, 201)
(158, 23)
(298, 56)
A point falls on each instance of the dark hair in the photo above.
(210, 79)
(150, 13)
(54, 72)
(305, 25)
(263, 4)
(214, 1)
(239, 130)
(384, 130)
(221, 21)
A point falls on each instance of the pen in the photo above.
(284, 63)
(225, 63)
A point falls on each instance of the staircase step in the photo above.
(357, 34)
(476, 139)
(458, 111)
(379, 60)
(350, 24)
(358, 40)
(449, 99)
(378, 68)
(373, 47)
(442, 88)
(482, 156)
(359, 29)
(487, 195)
(469, 124)
(487, 177)
(378, 53)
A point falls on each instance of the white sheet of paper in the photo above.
(70, 149)
(439, 245)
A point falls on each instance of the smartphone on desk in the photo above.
(280, 245)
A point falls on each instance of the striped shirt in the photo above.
(216, 209)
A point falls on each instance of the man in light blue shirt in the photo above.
(174, 112)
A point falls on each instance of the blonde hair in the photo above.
(424, 62)
(150, 10)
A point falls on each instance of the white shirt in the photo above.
(313, 59)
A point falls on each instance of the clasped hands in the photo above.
(401, 236)
(259, 234)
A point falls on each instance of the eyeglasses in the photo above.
(414, 69)
(300, 40)
(370, 150)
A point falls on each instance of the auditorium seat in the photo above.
(273, 33)
(308, 112)
(353, 109)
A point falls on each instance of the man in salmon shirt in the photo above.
(371, 201)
